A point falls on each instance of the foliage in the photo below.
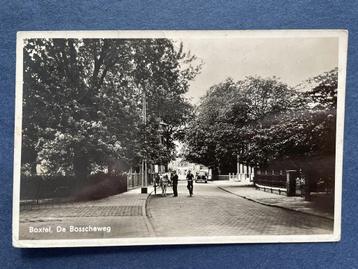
(83, 100)
(260, 120)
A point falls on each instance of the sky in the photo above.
(293, 60)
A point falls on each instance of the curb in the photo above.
(146, 217)
(277, 206)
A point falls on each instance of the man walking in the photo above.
(174, 180)
(190, 178)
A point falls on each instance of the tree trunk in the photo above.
(215, 172)
(81, 167)
(166, 167)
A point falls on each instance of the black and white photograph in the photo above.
(178, 137)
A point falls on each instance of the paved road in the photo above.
(212, 211)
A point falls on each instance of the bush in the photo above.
(101, 186)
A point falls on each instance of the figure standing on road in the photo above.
(156, 182)
(174, 180)
(190, 179)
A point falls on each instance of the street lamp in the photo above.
(144, 188)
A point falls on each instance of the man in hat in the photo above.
(174, 180)
(190, 179)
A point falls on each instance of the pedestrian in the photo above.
(174, 179)
(156, 182)
(190, 179)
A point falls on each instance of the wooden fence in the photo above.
(134, 180)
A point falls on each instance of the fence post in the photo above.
(307, 187)
(131, 178)
(291, 182)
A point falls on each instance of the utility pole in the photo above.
(144, 188)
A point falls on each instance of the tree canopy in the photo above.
(261, 120)
(83, 100)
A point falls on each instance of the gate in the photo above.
(295, 183)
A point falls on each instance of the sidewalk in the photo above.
(318, 206)
(125, 213)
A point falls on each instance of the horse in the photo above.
(164, 181)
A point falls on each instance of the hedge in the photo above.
(71, 188)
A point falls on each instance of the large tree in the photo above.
(261, 120)
(227, 117)
(83, 99)
(306, 130)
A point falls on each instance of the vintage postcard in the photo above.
(178, 137)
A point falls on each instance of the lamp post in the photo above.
(144, 188)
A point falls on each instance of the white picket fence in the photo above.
(241, 177)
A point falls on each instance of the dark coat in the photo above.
(175, 179)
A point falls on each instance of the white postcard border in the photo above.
(342, 36)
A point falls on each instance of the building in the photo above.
(182, 167)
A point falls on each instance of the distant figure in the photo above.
(190, 179)
(156, 182)
(174, 180)
(164, 183)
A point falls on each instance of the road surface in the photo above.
(210, 212)
(213, 211)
